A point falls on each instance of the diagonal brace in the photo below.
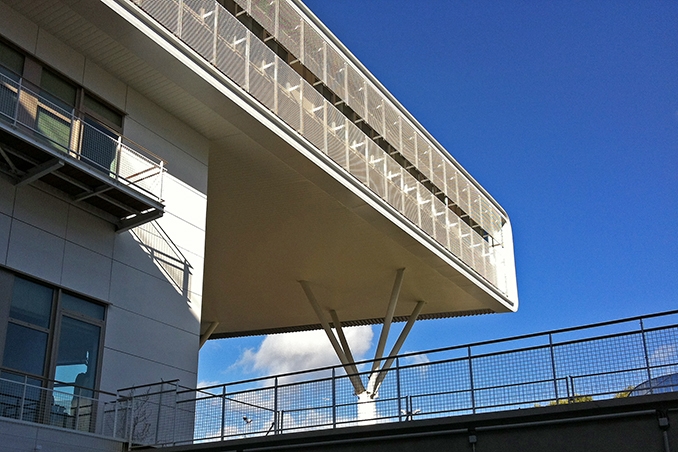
(354, 377)
(396, 347)
(37, 172)
(388, 320)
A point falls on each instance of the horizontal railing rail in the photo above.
(617, 359)
(71, 135)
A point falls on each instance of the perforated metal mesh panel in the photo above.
(262, 73)
(289, 96)
(314, 51)
(356, 156)
(335, 71)
(356, 91)
(263, 11)
(289, 28)
(231, 56)
(314, 117)
(197, 26)
(375, 109)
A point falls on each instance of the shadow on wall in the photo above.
(165, 255)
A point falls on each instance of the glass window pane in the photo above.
(76, 372)
(31, 302)
(104, 111)
(11, 62)
(78, 353)
(75, 304)
(25, 349)
(60, 91)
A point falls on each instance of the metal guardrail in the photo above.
(623, 358)
(51, 402)
(223, 41)
(63, 130)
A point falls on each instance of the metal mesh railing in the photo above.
(53, 403)
(225, 42)
(624, 358)
(62, 129)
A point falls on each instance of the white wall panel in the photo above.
(153, 297)
(86, 272)
(152, 341)
(90, 232)
(41, 210)
(36, 252)
(121, 370)
(59, 56)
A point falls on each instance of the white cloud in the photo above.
(291, 352)
(208, 383)
(416, 359)
(666, 354)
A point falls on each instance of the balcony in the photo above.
(92, 165)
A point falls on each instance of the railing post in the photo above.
(23, 399)
(157, 420)
(223, 411)
(162, 177)
(74, 144)
(470, 370)
(18, 102)
(275, 406)
(176, 409)
(276, 86)
(247, 62)
(118, 151)
(115, 414)
(553, 367)
(398, 393)
(647, 357)
(180, 18)
(334, 397)
(130, 430)
(215, 34)
(77, 412)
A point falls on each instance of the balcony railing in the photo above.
(223, 41)
(63, 132)
(53, 403)
(625, 358)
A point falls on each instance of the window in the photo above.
(11, 65)
(55, 114)
(52, 342)
(100, 136)
(11, 62)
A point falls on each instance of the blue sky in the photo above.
(567, 112)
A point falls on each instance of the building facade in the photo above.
(172, 169)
